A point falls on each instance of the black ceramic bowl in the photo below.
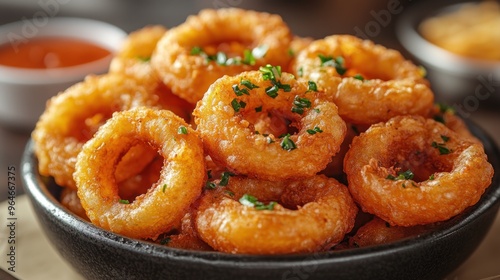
(100, 254)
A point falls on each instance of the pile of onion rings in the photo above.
(207, 137)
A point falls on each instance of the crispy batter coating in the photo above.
(378, 231)
(189, 74)
(133, 60)
(168, 199)
(72, 117)
(368, 82)
(450, 172)
(233, 139)
(320, 212)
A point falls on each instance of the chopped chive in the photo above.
(311, 86)
(225, 178)
(124, 201)
(248, 84)
(359, 77)
(182, 130)
(210, 185)
(252, 201)
(258, 109)
(441, 148)
(237, 105)
(314, 130)
(272, 91)
(287, 143)
(240, 92)
(196, 50)
(164, 187)
(406, 175)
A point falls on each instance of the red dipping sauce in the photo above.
(51, 52)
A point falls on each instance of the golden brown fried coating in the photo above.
(412, 171)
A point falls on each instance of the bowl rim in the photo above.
(407, 32)
(68, 27)
(39, 193)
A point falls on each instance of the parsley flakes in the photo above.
(252, 201)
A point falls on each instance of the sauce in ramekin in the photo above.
(50, 52)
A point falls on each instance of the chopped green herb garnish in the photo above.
(196, 50)
(259, 52)
(248, 84)
(224, 180)
(270, 72)
(314, 130)
(441, 148)
(237, 105)
(300, 72)
(406, 175)
(258, 109)
(124, 201)
(221, 58)
(291, 53)
(164, 187)
(209, 174)
(230, 193)
(443, 108)
(287, 143)
(432, 176)
(252, 201)
(300, 104)
(359, 77)
(445, 138)
(182, 130)
(311, 86)
(210, 185)
(337, 62)
(240, 92)
(272, 91)
(317, 110)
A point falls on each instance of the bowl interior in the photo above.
(44, 195)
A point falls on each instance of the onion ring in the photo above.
(69, 199)
(378, 231)
(72, 117)
(190, 74)
(368, 82)
(324, 213)
(167, 201)
(232, 140)
(411, 171)
(133, 60)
